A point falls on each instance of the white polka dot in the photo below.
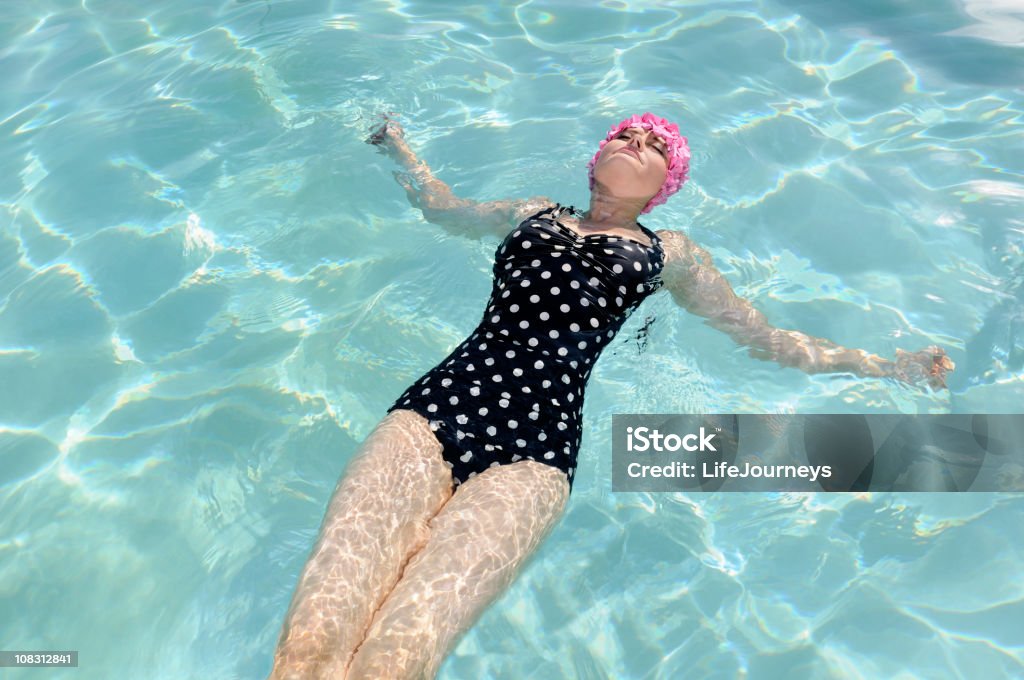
(511, 353)
(574, 327)
(566, 379)
(513, 424)
(639, 287)
(618, 301)
(524, 324)
(546, 384)
(506, 294)
(520, 443)
(594, 282)
(532, 342)
(496, 378)
(432, 407)
(503, 403)
(562, 351)
(584, 302)
(482, 411)
(617, 268)
(535, 299)
(549, 455)
(446, 382)
(555, 291)
(495, 319)
(461, 419)
(517, 372)
(594, 322)
(544, 316)
(570, 396)
(542, 436)
(582, 344)
(470, 367)
(545, 274)
(538, 364)
(526, 244)
(553, 333)
(566, 267)
(426, 390)
(465, 459)
(513, 308)
(602, 302)
(492, 430)
(562, 426)
(475, 391)
(526, 389)
(574, 284)
(489, 361)
(525, 283)
(535, 263)
(516, 273)
(564, 308)
(453, 400)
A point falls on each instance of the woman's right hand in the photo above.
(387, 135)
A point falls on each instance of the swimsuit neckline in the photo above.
(559, 209)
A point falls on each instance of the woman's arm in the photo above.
(436, 200)
(700, 288)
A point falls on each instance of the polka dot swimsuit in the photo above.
(513, 390)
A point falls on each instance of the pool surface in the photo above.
(211, 289)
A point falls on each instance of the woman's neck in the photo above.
(609, 212)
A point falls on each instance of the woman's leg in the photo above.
(477, 544)
(376, 520)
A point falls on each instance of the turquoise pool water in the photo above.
(211, 289)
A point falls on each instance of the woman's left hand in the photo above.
(928, 365)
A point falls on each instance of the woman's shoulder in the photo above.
(679, 247)
(526, 208)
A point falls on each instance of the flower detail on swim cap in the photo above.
(678, 154)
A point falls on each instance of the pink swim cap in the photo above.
(678, 154)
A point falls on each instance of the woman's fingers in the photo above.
(928, 366)
(389, 129)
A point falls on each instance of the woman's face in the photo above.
(633, 165)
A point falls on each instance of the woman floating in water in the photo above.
(473, 464)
